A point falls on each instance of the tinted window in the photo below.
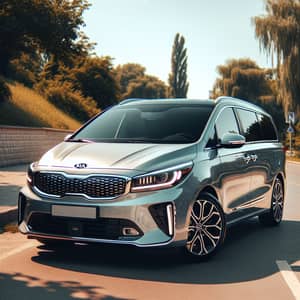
(213, 140)
(250, 125)
(267, 129)
(226, 123)
(156, 123)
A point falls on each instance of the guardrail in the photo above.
(20, 145)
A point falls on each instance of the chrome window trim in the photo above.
(244, 108)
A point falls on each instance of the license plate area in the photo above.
(74, 211)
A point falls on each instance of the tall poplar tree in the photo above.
(178, 76)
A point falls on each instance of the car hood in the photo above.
(130, 156)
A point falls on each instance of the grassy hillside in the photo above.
(27, 108)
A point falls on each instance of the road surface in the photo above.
(255, 263)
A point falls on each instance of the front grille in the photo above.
(101, 228)
(93, 186)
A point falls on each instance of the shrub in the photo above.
(72, 103)
(5, 93)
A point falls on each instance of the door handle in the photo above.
(253, 157)
(247, 158)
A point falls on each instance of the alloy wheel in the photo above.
(277, 201)
(206, 228)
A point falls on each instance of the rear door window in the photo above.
(250, 125)
(268, 132)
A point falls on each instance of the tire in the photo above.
(274, 216)
(207, 228)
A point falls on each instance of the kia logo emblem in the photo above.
(80, 166)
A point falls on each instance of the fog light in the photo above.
(129, 231)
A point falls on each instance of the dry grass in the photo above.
(13, 228)
(27, 108)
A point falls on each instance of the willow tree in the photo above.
(244, 79)
(278, 33)
(178, 76)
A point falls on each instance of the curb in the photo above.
(9, 216)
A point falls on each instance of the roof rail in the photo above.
(225, 98)
(130, 100)
(142, 99)
(245, 103)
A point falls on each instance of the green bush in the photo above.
(72, 103)
(5, 93)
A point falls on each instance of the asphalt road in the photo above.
(255, 263)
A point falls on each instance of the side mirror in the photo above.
(67, 137)
(232, 140)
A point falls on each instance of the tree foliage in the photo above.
(26, 68)
(91, 77)
(244, 79)
(51, 27)
(178, 76)
(148, 87)
(95, 78)
(5, 93)
(71, 102)
(279, 35)
(135, 83)
(127, 74)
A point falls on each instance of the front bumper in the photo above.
(144, 219)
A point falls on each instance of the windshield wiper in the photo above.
(80, 141)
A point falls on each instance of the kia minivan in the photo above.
(160, 172)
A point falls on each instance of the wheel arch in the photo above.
(210, 190)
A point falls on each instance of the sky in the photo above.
(143, 31)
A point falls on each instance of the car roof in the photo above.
(170, 101)
(220, 101)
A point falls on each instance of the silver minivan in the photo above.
(162, 172)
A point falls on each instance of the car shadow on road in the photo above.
(21, 286)
(249, 253)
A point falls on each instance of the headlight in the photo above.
(30, 173)
(161, 179)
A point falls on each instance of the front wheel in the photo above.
(207, 227)
(275, 213)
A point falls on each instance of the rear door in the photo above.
(260, 144)
(234, 174)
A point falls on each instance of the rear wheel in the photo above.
(274, 215)
(207, 227)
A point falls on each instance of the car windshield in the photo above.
(147, 123)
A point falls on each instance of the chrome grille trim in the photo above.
(82, 177)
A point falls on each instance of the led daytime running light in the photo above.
(160, 179)
(176, 176)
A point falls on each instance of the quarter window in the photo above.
(212, 141)
(267, 129)
(226, 123)
(250, 125)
